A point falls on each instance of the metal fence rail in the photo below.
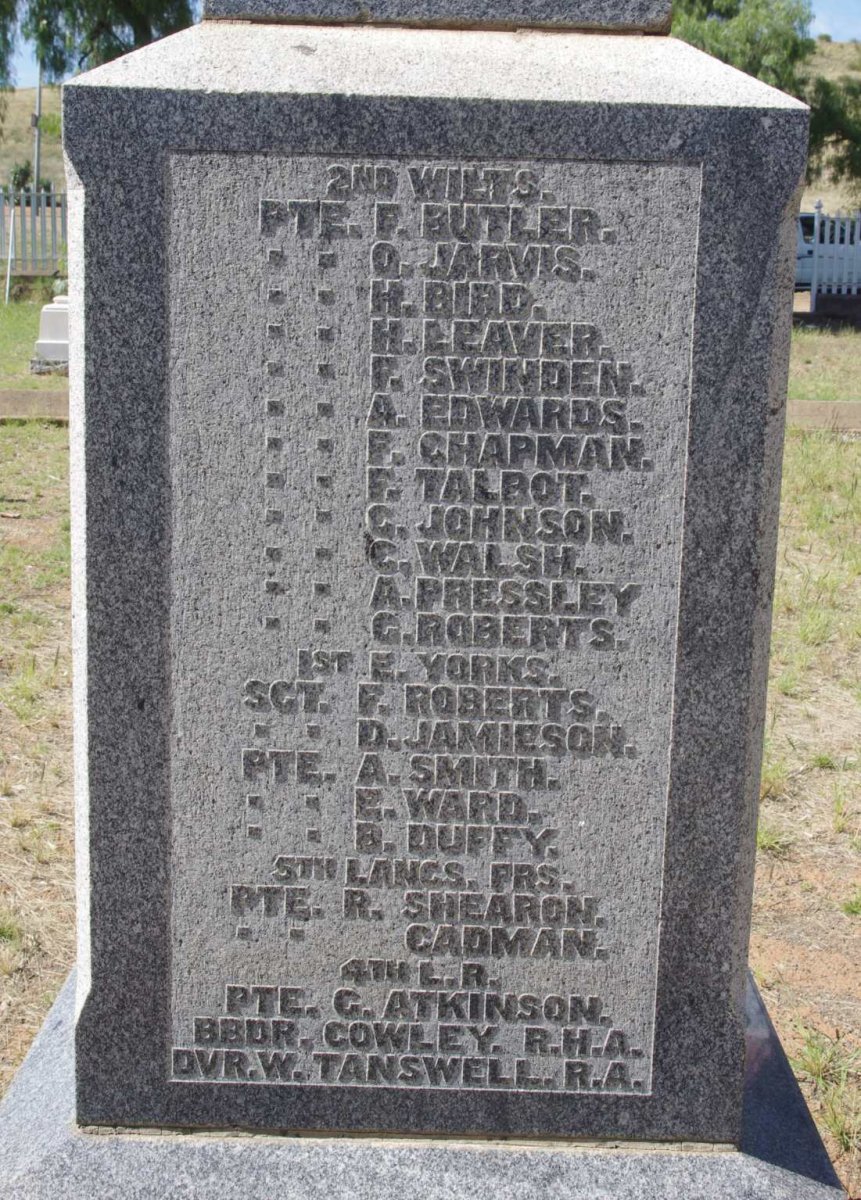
(32, 231)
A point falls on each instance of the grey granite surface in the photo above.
(531, 66)
(648, 15)
(219, 534)
(697, 168)
(43, 1155)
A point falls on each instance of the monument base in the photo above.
(44, 1155)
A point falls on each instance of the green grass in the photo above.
(833, 1069)
(841, 810)
(774, 777)
(29, 491)
(824, 762)
(19, 328)
(816, 646)
(10, 928)
(790, 682)
(772, 841)
(822, 489)
(29, 570)
(815, 628)
(852, 907)
(816, 624)
(825, 365)
(32, 569)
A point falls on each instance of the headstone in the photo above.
(52, 345)
(427, 430)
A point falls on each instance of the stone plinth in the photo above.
(427, 397)
(43, 1155)
(426, 502)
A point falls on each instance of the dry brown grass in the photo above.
(36, 869)
(16, 135)
(806, 947)
(837, 59)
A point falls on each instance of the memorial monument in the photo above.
(428, 377)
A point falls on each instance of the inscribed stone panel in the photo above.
(428, 433)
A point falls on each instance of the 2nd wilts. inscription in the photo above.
(430, 783)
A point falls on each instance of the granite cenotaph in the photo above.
(428, 376)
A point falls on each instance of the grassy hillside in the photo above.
(16, 136)
(834, 60)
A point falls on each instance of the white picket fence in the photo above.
(32, 231)
(836, 258)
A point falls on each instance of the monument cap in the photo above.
(648, 16)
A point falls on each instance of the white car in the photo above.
(804, 251)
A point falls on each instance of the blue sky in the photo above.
(840, 18)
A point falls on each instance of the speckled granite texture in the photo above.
(230, 89)
(647, 15)
(43, 1156)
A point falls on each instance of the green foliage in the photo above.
(72, 35)
(21, 175)
(835, 127)
(765, 38)
(50, 124)
(771, 40)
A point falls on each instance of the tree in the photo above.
(771, 40)
(835, 130)
(71, 35)
(766, 38)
